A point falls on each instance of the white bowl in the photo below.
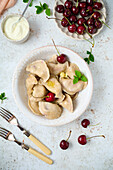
(65, 29)
(20, 94)
(14, 41)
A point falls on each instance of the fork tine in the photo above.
(1, 114)
(8, 112)
(4, 130)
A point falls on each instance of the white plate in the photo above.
(65, 29)
(19, 89)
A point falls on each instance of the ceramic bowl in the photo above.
(14, 41)
(19, 87)
(65, 29)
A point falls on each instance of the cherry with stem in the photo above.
(62, 58)
(64, 144)
(82, 139)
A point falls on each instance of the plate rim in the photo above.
(13, 83)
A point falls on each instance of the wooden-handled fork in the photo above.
(9, 136)
(13, 120)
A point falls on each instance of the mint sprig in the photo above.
(79, 76)
(90, 58)
(2, 97)
(42, 8)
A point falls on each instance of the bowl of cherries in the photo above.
(80, 19)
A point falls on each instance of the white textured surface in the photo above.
(98, 153)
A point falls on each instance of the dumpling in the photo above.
(39, 68)
(34, 107)
(39, 91)
(30, 82)
(70, 88)
(56, 69)
(54, 86)
(50, 110)
(67, 103)
(53, 59)
(71, 70)
(35, 99)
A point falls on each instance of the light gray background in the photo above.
(98, 153)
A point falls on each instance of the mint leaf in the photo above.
(26, 1)
(83, 78)
(75, 80)
(45, 6)
(48, 12)
(39, 10)
(88, 61)
(88, 52)
(41, 5)
(91, 57)
(78, 73)
(2, 97)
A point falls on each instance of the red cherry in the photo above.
(62, 58)
(90, 9)
(72, 28)
(96, 15)
(92, 29)
(89, 2)
(67, 13)
(97, 5)
(64, 22)
(81, 29)
(90, 21)
(98, 24)
(68, 4)
(85, 123)
(50, 97)
(75, 10)
(82, 140)
(82, 4)
(64, 144)
(59, 8)
(81, 21)
(83, 12)
(73, 18)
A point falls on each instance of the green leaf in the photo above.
(25, 1)
(88, 52)
(41, 5)
(75, 80)
(4, 98)
(91, 57)
(83, 78)
(48, 12)
(45, 6)
(88, 61)
(3, 94)
(39, 10)
(78, 73)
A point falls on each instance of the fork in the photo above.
(9, 136)
(8, 116)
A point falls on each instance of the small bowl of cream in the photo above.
(14, 30)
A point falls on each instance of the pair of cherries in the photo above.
(82, 139)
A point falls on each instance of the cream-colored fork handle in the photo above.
(40, 145)
(40, 156)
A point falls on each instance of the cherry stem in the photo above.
(53, 18)
(96, 136)
(95, 125)
(77, 4)
(55, 47)
(69, 135)
(68, 20)
(104, 23)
